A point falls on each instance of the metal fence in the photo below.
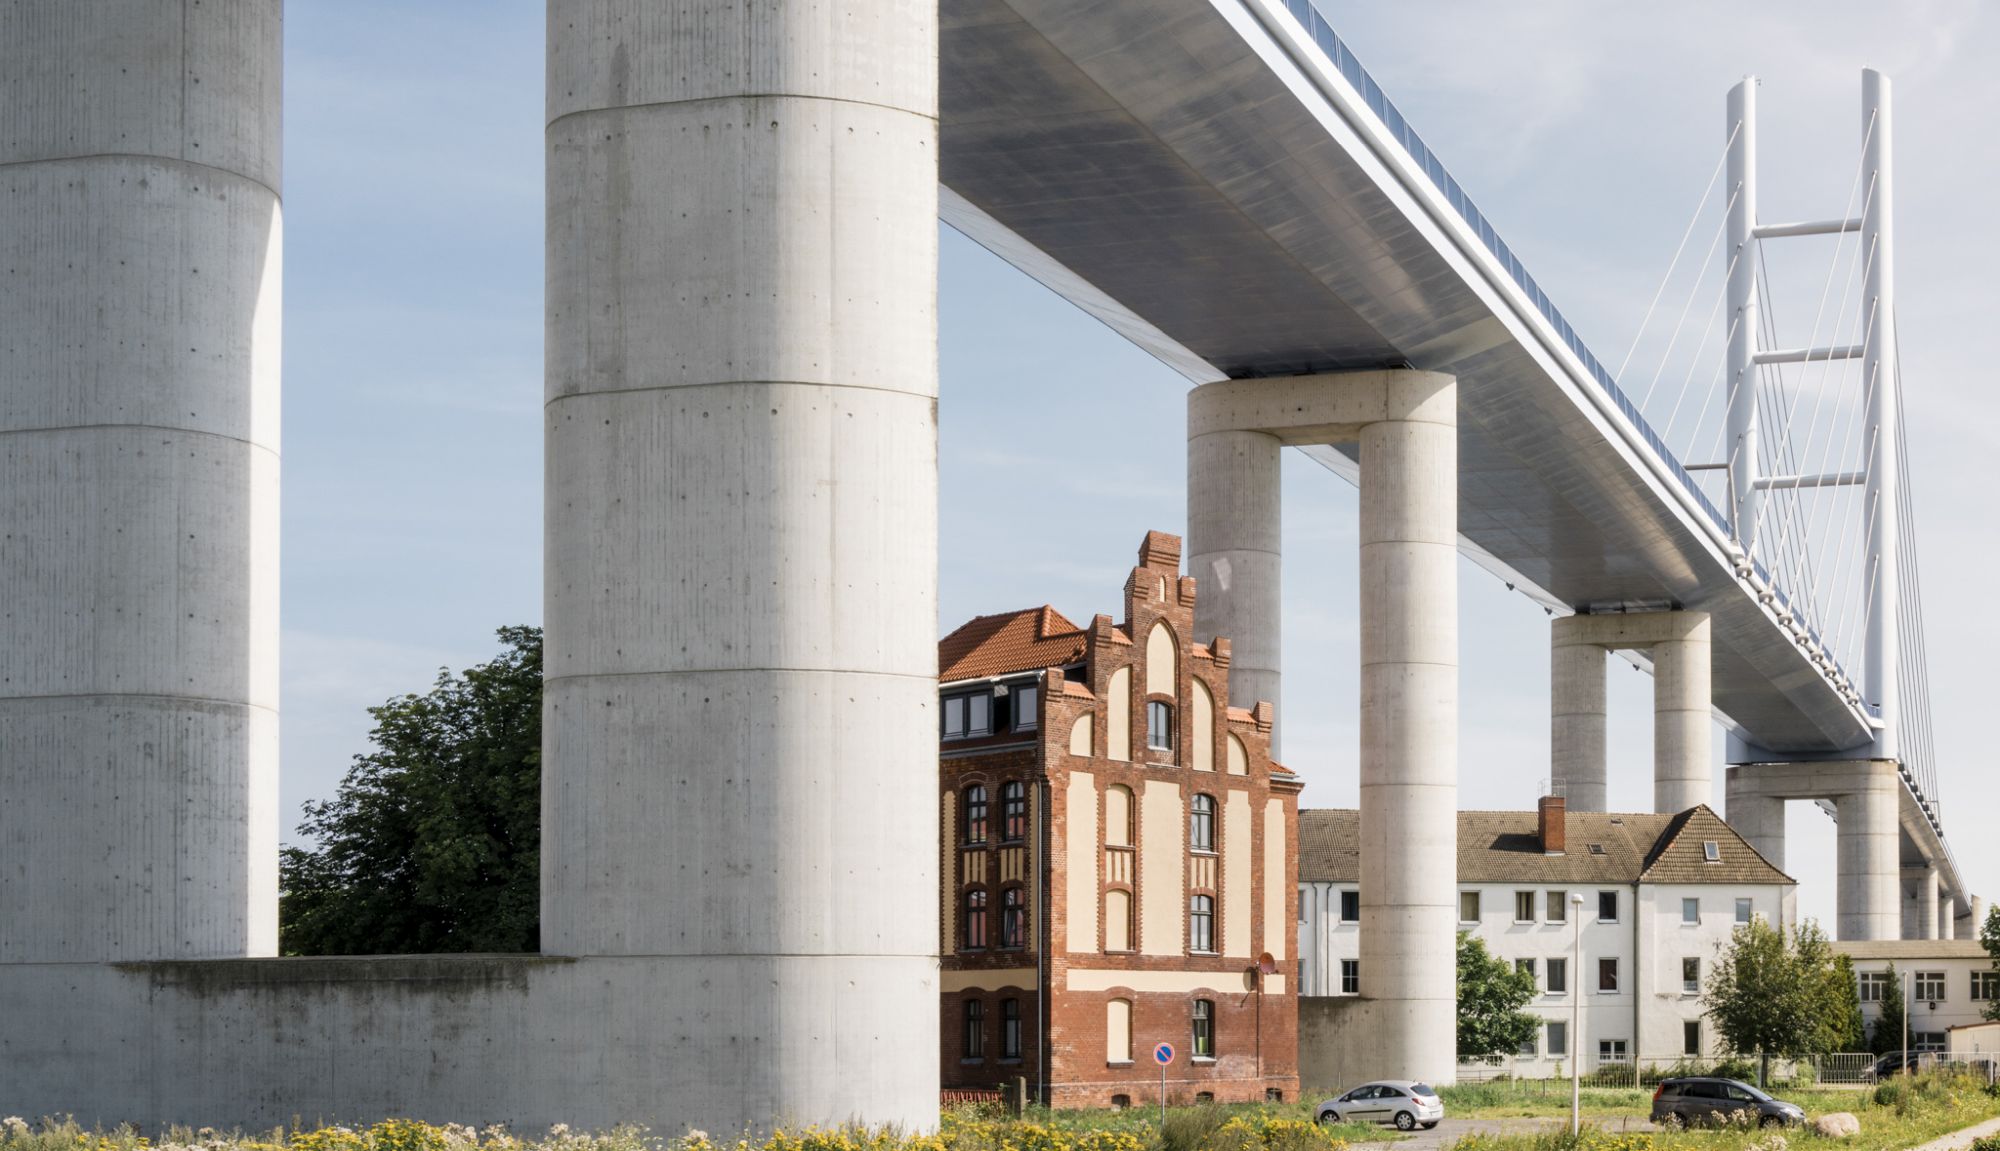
(1848, 1068)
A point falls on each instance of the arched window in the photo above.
(1201, 923)
(975, 814)
(1010, 1029)
(975, 1029)
(1117, 920)
(1159, 725)
(1201, 824)
(1014, 917)
(1013, 812)
(1118, 815)
(975, 919)
(1203, 1045)
(1118, 1031)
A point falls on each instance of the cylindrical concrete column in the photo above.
(139, 360)
(1758, 818)
(1409, 727)
(1234, 546)
(1927, 904)
(1683, 720)
(741, 737)
(1977, 905)
(1868, 896)
(1576, 708)
(1948, 918)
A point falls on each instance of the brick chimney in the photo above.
(1553, 835)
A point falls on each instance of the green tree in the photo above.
(1989, 938)
(1491, 994)
(433, 841)
(1888, 1033)
(1852, 1028)
(1774, 992)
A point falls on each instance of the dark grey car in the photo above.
(1704, 1102)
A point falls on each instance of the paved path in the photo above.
(1961, 1139)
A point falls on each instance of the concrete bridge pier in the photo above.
(740, 741)
(1406, 424)
(1682, 721)
(1866, 795)
(1947, 918)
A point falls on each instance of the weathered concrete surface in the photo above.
(1235, 551)
(1866, 795)
(740, 732)
(139, 378)
(1683, 708)
(522, 1040)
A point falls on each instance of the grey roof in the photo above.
(1506, 847)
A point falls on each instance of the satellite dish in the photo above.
(1267, 965)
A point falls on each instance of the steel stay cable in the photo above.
(1720, 163)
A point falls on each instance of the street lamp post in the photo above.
(1576, 1013)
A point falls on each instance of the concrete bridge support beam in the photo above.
(1868, 896)
(1682, 723)
(741, 541)
(1758, 818)
(1407, 426)
(139, 373)
(1235, 522)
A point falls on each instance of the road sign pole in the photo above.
(1163, 1097)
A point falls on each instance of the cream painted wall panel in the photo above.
(1021, 978)
(1117, 921)
(1118, 1031)
(1081, 857)
(1276, 925)
(1239, 758)
(1162, 847)
(1118, 815)
(1118, 715)
(1104, 979)
(1162, 666)
(1080, 733)
(1203, 736)
(948, 851)
(1237, 824)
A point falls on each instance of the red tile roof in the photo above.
(1026, 640)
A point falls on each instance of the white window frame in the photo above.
(1927, 980)
(1478, 906)
(1690, 986)
(1691, 911)
(1617, 975)
(1350, 977)
(1616, 909)
(1555, 1049)
(1524, 899)
(1557, 963)
(1746, 910)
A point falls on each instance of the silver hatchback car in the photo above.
(1404, 1102)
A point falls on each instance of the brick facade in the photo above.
(1074, 954)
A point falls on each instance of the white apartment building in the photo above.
(1660, 896)
(1946, 983)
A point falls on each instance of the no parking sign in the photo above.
(1163, 1054)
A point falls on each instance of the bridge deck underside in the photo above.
(1155, 151)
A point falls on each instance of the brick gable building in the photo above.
(1119, 857)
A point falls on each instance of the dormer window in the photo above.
(1711, 851)
(970, 715)
(1159, 726)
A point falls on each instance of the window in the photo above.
(1524, 907)
(975, 919)
(1013, 812)
(1691, 913)
(1203, 1044)
(1711, 851)
(1468, 907)
(1607, 907)
(1691, 974)
(1350, 977)
(1201, 923)
(1010, 1029)
(1204, 1097)
(975, 1029)
(1118, 1031)
(1558, 907)
(1874, 986)
(1691, 1037)
(1118, 816)
(1611, 1051)
(1743, 912)
(1025, 701)
(1350, 907)
(1558, 976)
(1201, 823)
(1527, 1049)
(1607, 975)
(1527, 965)
(975, 814)
(1927, 1040)
(1558, 1040)
(1985, 986)
(1929, 987)
(968, 715)
(1159, 726)
(1014, 918)
(1117, 920)
(1121, 1102)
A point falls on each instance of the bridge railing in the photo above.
(1343, 59)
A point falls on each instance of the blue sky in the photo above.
(413, 368)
